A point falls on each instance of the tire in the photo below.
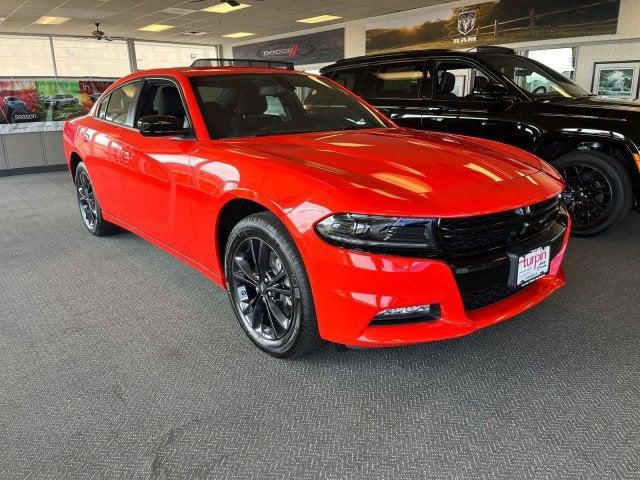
(259, 246)
(90, 210)
(603, 174)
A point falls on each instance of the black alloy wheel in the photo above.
(599, 193)
(87, 200)
(89, 205)
(269, 289)
(262, 290)
(590, 194)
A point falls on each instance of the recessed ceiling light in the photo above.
(178, 11)
(51, 20)
(238, 35)
(225, 8)
(319, 19)
(155, 27)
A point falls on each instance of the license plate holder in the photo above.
(527, 267)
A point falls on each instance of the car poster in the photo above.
(42, 104)
(18, 101)
(58, 99)
(90, 91)
(494, 23)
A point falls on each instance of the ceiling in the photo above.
(123, 18)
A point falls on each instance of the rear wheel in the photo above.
(269, 288)
(89, 206)
(599, 189)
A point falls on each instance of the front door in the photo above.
(462, 102)
(155, 170)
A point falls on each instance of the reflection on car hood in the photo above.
(400, 159)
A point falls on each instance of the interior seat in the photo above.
(251, 110)
(446, 84)
(170, 103)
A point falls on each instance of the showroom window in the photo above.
(394, 80)
(562, 60)
(14, 49)
(77, 57)
(120, 103)
(159, 55)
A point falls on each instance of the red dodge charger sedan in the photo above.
(320, 217)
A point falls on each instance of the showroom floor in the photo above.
(118, 361)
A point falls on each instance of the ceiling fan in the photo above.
(233, 3)
(99, 34)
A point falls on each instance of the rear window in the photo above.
(395, 80)
(351, 78)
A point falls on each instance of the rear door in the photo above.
(102, 137)
(156, 171)
(398, 89)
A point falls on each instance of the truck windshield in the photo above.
(534, 78)
(251, 105)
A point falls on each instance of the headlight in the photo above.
(378, 233)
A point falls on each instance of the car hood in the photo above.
(396, 171)
(400, 159)
(603, 108)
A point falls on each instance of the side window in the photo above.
(394, 80)
(103, 107)
(458, 79)
(161, 97)
(351, 78)
(120, 102)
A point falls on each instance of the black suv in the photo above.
(494, 93)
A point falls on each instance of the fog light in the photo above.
(416, 313)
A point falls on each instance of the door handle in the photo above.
(126, 155)
(85, 136)
(437, 109)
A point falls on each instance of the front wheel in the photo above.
(599, 190)
(269, 289)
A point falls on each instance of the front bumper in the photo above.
(351, 288)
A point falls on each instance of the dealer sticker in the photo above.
(533, 265)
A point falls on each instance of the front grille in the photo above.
(487, 296)
(488, 233)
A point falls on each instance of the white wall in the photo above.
(624, 45)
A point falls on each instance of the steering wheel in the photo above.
(540, 89)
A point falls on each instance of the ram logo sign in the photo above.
(466, 22)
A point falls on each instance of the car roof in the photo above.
(410, 54)
(176, 72)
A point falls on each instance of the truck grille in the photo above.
(487, 233)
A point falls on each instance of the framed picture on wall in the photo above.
(616, 79)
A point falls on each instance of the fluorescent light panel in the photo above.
(238, 35)
(156, 27)
(51, 20)
(318, 19)
(225, 8)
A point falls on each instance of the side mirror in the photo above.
(161, 125)
(492, 91)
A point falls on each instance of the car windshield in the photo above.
(251, 105)
(534, 78)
